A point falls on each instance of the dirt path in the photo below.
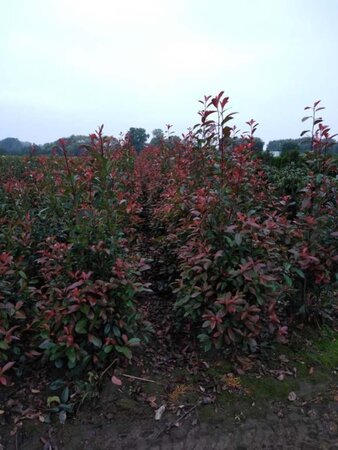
(280, 426)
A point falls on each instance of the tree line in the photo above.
(139, 139)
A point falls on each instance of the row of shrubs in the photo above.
(250, 249)
(68, 279)
(253, 247)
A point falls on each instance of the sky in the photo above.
(67, 66)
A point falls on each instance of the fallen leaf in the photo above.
(207, 400)
(35, 391)
(159, 412)
(231, 382)
(152, 401)
(179, 390)
(292, 396)
(62, 417)
(283, 358)
(116, 381)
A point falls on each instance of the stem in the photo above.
(69, 171)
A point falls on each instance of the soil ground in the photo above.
(120, 422)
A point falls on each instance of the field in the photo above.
(113, 261)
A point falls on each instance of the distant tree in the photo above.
(290, 146)
(280, 145)
(138, 138)
(172, 141)
(258, 145)
(73, 143)
(290, 156)
(14, 146)
(158, 136)
(3, 152)
(334, 149)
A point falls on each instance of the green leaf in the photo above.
(71, 364)
(53, 399)
(4, 345)
(319, 178)
(95, 340)
(288, 280)
(85, 309)
(299, 272)
(46, 344)
(125, 351)
(238, 238)
(81, 326)
(107, 348)
(133, 342)
(22, 275)
(57, 384)
(203, 337)
(65, 395)
(71, 354)
(58, 363)
(116, 331)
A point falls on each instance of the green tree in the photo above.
(290, 146)
(258, 145)
(158, 137)
(138, 138)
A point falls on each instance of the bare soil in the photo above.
(118, 422)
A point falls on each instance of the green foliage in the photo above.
(138, 138)
(290, 146)
(158, 137)
(254, 246)
(303, 145)
(249, 241)
(13, 146)
(67, 280)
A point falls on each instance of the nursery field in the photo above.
(193, 276)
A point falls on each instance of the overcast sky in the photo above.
(67, 66)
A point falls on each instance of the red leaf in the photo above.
(74, 285)
(231, 334)
(3, 381)
(116, 381)
(7, 367)
(224, 101)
